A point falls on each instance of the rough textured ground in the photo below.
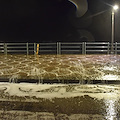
(59, 102)
(71, 102)
(60, 67)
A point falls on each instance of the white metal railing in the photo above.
(59, 48)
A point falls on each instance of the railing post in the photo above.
(108, 50)
(116, 48)
(5, 48)
(27, 45)
(84, 47)
(58, 48)
(34, 48)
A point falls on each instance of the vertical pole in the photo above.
(116, 48)
(108, 48)
(34, 48)
(37, 49)
(27, 48)
(112, 37)
(57, 47)
(83, 48)
(5, 48)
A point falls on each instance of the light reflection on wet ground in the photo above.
(73, 102)
(60, 67)
(111, 111)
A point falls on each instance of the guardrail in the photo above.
(59, 48)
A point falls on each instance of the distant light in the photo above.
(115, 7)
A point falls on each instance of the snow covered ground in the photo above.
(50, 91)
(27, 92)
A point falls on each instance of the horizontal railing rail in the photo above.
(100, 47)
(60, 48)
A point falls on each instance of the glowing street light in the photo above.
(115, 8)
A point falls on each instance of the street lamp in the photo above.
(115, 8)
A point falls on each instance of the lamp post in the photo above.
(115, 7)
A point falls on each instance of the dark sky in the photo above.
(55, 20)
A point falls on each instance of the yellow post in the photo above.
(37, 49)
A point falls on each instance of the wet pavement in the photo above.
(60, 67)
(60, 101)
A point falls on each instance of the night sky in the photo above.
(56, 20)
